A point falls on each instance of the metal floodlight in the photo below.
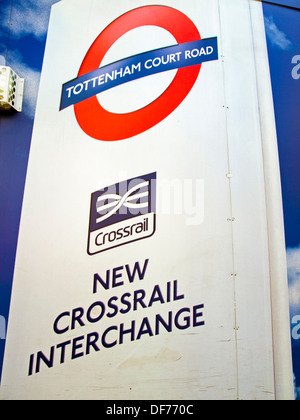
(11, 90)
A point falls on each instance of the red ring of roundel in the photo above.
(103, 125)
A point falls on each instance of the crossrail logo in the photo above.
(186, 57)
(122, 213)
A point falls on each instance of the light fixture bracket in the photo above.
(11, 89)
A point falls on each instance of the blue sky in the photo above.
(291, 3)
(23, 44)
(22, 41)
(283, 32)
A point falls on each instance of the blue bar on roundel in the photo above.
(136, 67)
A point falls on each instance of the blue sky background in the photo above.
(290, 3)
(283, 29)
(23, 30)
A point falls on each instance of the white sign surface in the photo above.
(142, 269)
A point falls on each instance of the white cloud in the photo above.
(28, 18)
(293, 262)
(276, 36)
(2, 60)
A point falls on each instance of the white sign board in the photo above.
(143, 263)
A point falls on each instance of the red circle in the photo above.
(100, 124)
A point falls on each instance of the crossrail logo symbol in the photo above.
(122, 213)
(186, 57)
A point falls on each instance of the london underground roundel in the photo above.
(101, 124)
